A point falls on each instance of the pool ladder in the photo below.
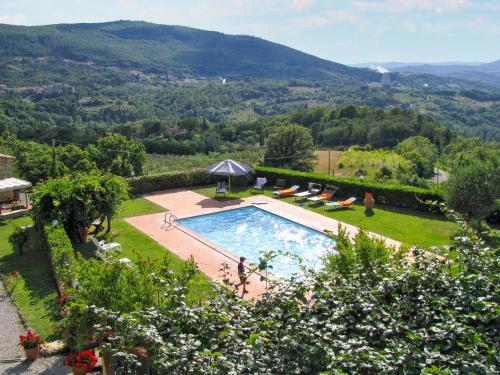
(170, 221)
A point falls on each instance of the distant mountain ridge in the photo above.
(484, 72)
(172, 49)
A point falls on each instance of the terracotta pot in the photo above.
(32, 354)
(369, 202)
(79, 370)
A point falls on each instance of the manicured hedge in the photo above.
(394, 195)
(61, 252)
(147, 184)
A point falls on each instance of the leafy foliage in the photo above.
(473, 189)
(382, 314)
(75, 201)
(147, 184)
(290, 146)
(118, 155)
(421, 152)
(61, 254)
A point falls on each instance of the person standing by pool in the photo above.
(242, 275)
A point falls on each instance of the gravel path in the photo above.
(10, 329)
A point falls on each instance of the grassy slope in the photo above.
(408, 226)
(34, 291)
(135, 243)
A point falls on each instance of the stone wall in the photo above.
(6, 166)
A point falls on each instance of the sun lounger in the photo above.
(327, 194)
(106, 247)
(259, 184)
(313, 189)
(287, 192)
(348, 202)
(221, 188)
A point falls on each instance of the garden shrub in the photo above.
(61, 253)
(393, 195)
(18, 239)
(147, 184)
(408, 317)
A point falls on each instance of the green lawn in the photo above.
(34, 290)
(408, 226)
(135, 243)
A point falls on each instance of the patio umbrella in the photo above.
(229, 168)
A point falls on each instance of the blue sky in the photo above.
(342, 31)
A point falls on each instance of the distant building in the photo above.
(386, 79)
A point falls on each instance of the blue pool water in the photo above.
(250, 230)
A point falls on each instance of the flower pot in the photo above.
(79, 370)
(369, 202)
(32, 354)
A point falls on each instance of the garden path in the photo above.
(11, 354)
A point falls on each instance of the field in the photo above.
(156, 164)
(346, 163)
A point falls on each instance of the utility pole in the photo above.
(329, 160)
(53, 171)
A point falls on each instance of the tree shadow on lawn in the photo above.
(34, 267)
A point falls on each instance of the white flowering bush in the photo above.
(372, 311)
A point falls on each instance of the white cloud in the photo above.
(400, 6)
(328, 18)
(13, 19)
(301, 4)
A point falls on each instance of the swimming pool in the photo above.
(250, 230)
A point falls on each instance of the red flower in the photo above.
(15, 273)
(30, 341)
(85, 359)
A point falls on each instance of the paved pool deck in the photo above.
(209, 257)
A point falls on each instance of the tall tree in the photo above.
(118, 155)
(473, 189)
(421, 152)
(290, 146)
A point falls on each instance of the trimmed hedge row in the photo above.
(61, 253)
(393, 195)
(148, 184)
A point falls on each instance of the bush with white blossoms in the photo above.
(370, 310)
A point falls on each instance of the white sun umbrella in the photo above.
(229, 168)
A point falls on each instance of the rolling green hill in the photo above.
(173, 50)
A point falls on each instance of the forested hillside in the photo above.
(76, 82)
(175, 50)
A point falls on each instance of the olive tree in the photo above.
(472, 189)
(77, 200)
(118, 155)
(421, 152)
(290, 146)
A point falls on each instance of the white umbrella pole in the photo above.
(229, 182)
